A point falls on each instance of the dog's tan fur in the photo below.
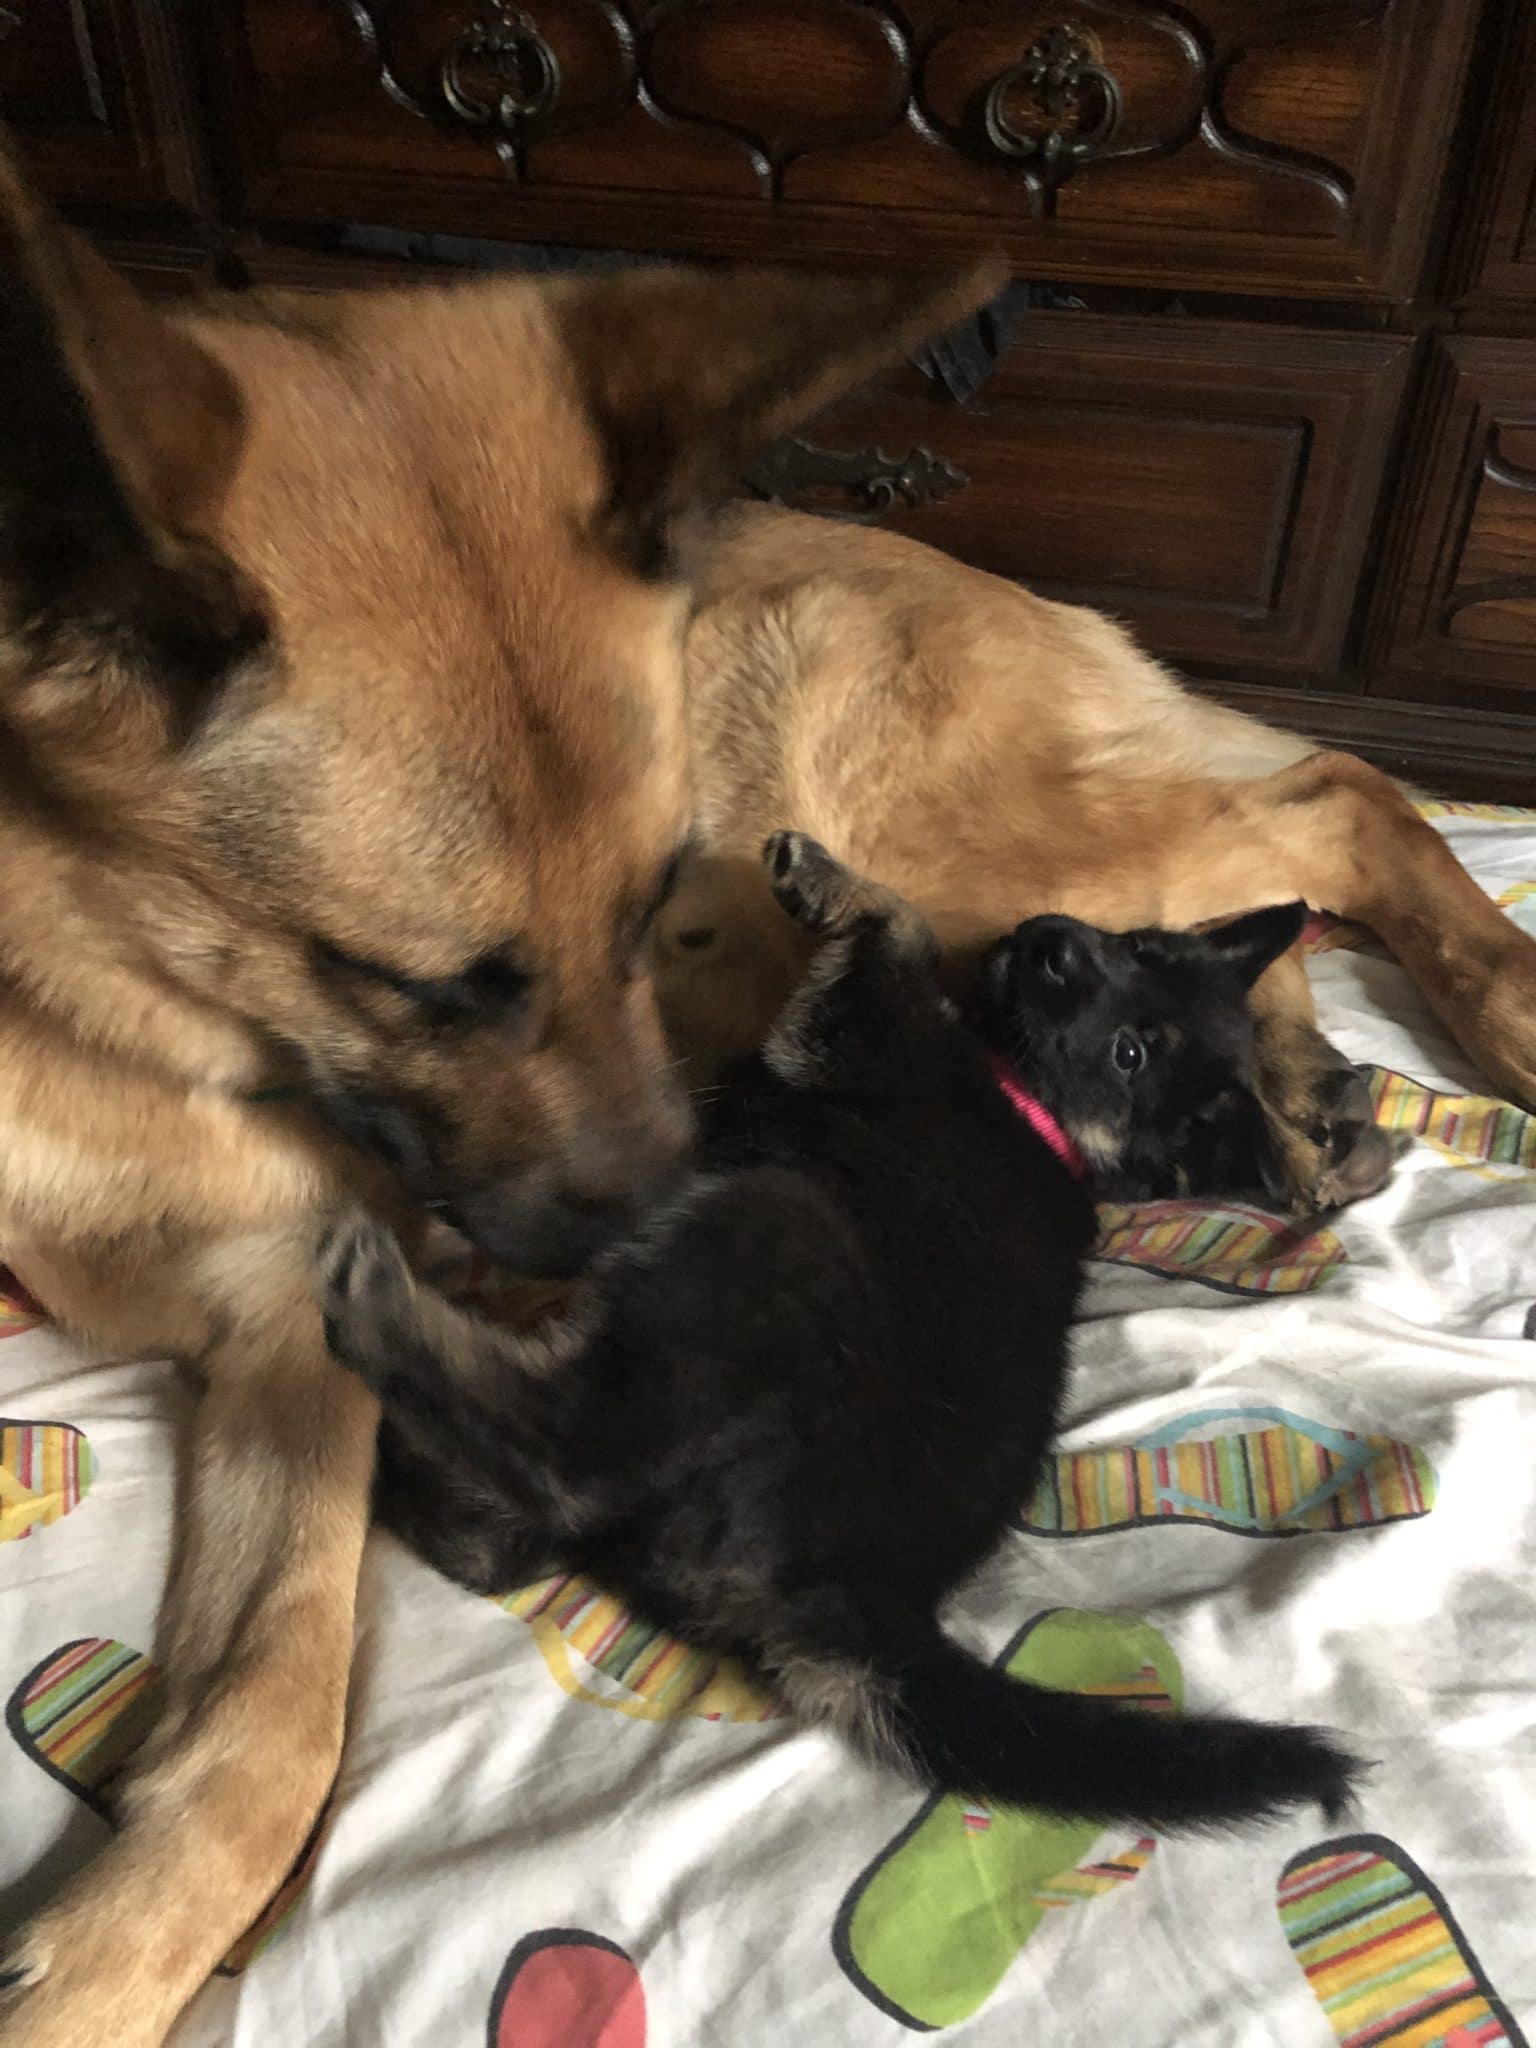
(362, 648)
(990, 755)
(324, 625)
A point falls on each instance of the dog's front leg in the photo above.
(1316, 1104)
(256, 1648)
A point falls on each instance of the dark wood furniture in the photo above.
(1269, 387)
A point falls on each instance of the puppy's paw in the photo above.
(366, 1293)
(808, 883)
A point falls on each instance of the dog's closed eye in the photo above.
(491, 989)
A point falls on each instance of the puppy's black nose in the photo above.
(1057, 956)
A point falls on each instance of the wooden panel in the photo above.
(1211, 484)
(1494, 250)
(94, 93)
(1458, 607)
(1289, 147)
(1447, 752)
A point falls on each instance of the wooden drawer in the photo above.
(1210, 484)
(1231, 144)
(1457, 616)
(1493, 252)
(94, 93)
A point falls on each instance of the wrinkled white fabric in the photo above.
(479, 1803)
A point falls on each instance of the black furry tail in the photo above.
(940, 1714)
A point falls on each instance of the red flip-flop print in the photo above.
(565, 1988)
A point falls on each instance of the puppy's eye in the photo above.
(1128, 1052)
(635, 924)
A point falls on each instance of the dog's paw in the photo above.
(365, 1290)
(1360, 1154)
(1329, 1148)
(1352, 1156)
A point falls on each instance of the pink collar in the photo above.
(1039, 1118)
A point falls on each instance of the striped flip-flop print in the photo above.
(1324, 933)
(46, 1469)
(1519, 899)
(1228, 1246)
(1382, 1951)
(1251, 1471)
(1460, 807)
(1093, 1880)
(18, 1311)
(80, 1714)
(82, 1711)
(597, 1651)
(1476, 1128)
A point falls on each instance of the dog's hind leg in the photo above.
(1345, 837)
(1340, 834)
(255, 1651)
(1316, 1103)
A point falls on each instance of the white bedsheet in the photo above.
(715, 1879)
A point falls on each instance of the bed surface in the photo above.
(1299, 1480)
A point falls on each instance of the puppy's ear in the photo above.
(691, 373)
(1247, 945)
(117, 432)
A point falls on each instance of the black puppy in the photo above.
(1145, 1045)
(792, 1414)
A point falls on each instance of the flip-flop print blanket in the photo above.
(1299, 1479)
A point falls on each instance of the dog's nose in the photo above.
(1056, 956)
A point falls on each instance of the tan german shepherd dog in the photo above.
(354, 670)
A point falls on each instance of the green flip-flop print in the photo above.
(930, 1929)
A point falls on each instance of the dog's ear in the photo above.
(116, 432)
(691, 373)
(1247, 945)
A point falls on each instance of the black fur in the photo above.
(1056, 997)
(793, 1413)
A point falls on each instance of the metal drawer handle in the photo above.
(873, 479)
(1059, 75)
(524, 71)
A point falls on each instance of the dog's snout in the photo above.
(1055, 956)
(1054, 953)
(553, 1221)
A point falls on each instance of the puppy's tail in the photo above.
(929, 1708)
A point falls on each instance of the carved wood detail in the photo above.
(1050, 113)
(94, 92)
(868, 483)
(1459, 602)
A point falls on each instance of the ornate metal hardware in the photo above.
(1059, 77)
(515, 70)
(874, 479)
